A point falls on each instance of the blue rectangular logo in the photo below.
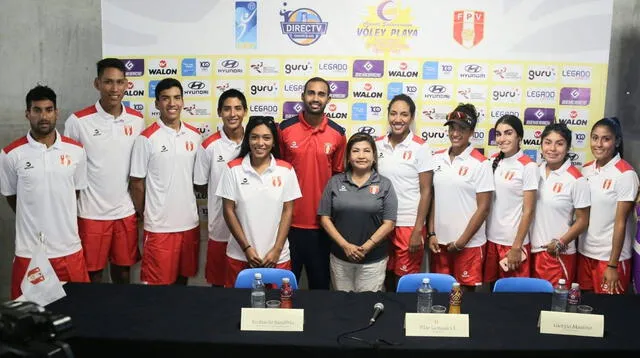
(188, 66)
(532, 153)
(359, 112)
(246, 24)
(393, 89)
(152, 88)
(430, 70)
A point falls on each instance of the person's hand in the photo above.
(454, 247)
(415, 241)
(611, 281)
(354, 253)
(367, 247)
(514, 258)
(253, 259)
(272, 257)
(433, 244)
(555, 247)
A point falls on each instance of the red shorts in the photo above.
(169, 254)
(216, 265)
(495, 253)
(466, 265)
(113, 239)
(235, 266)
(401, 262)
(551, 269)
(70, 268)
(591, 273)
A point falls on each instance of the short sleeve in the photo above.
(202, 167)
(580, 194)
(530, 176)
(424, 159)
(390, 203)
(227, 186)
(8, 175)
(484, 178)
(627, 186)
(326, 201)
(71, 128)
(80, 175)
(140, 157)
(337, 162)
(292, 189)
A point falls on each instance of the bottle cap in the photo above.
(426, 280)
(575, 285)
(562, 281)
(456, 284)
(285, 280)
(258, 276)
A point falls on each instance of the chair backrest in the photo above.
(269, 275)
(522, 284)
(439, 281)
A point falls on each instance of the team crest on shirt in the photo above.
(407, 155)
(189, 146)
(293, 145)
(276, 181)
(509, 175)
(606, 185)
(65, 160)
(557, 187)
(128, 130)
(327, 148)
(463, 171)
(374, 189)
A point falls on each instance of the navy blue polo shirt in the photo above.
(357, 212)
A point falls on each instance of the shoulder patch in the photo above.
(338, 128)
(150, 130)
(574, 172)
(588, 163)
(623, 166)
(234, 163)
(495, 155)
(70, 141)
(85, 112)
(440, 151)
(282, 163)
(210, 139)
(418, 140)
(15, 144)
(133, 112)
(288, 123)
(189, 126)
(475, 154)
(525, 159)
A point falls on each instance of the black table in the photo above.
(148, 321)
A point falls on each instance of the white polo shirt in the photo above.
(165, 157)
(44, 181)
(513, 176)
(402, 165)
(211, 161)
(608, 185)
(559, 194)
(108, 142)
(455, 186)
(259, 201)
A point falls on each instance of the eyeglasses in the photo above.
(457, 115)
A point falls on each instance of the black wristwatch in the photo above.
(430, 234)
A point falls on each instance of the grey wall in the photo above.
(59, 44)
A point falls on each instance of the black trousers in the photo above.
(310, 250)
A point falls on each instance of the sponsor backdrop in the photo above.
(541, 60)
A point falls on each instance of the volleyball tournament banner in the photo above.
(542, 61)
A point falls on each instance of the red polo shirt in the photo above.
(316, 154)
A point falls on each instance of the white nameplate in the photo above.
(272, 319)
(572, 324)
(436, 325)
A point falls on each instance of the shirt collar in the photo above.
(181, 131)
(246, 165)
(405, 143)
(320, 128)
(609, 165)
(34, 143)
(514, 157)
(374, 178)
(465, 153)
(103, 114)
(226, 139)
(563, 168)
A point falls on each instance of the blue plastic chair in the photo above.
(439, 281)
(523, 284)
(269, 275)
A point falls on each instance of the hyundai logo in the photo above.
(437, 89)
(473, 68)
(229, 63)
(367, 129)
(196, 85)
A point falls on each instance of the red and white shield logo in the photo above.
(557, 187)
(35, 276)
(463, 171)
(374, 189)
(509, 175)
(607, 184)
(276, 181)
(188, 146)
(128, 131)
(468, 27)
(407, 155)
(327, 148)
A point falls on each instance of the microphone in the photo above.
(378, 308)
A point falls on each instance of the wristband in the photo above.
(246, 248)
(430, 234)
(612, 266)
(455, 246)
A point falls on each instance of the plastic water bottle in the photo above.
(560, 296)
(286, 294)
(574, 297)
(425, 296)
(455, 298)
(258, 292)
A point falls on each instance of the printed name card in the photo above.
(436, 325)
(572, 324)
(272, 319)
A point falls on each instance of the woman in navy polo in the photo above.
(358, 210)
